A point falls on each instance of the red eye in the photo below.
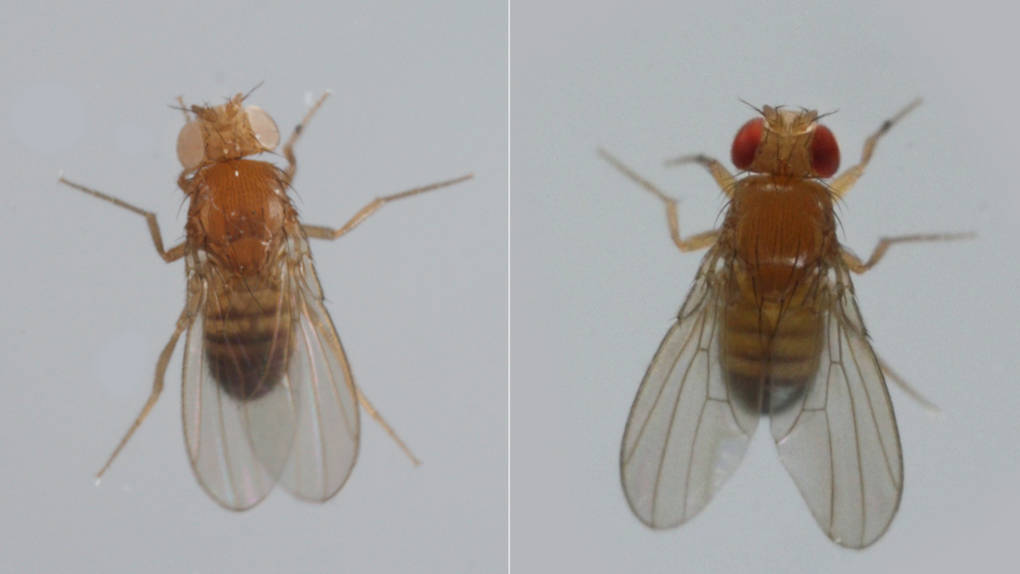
(746, 143)
(824, 152)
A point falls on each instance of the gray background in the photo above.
(418, 292)
(596, 281)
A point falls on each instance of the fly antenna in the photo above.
(752, 106)
(251, 91)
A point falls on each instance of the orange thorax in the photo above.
(238, 210)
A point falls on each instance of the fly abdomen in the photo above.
(247, 340)
(769, 351)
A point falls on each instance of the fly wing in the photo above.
(237, 446)
(685, 434)
(840, 442)
(326, 440)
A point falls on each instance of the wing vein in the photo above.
(857, 450)
(658, 395)
(672, 419)
(874, 417)
(313, 373)
(832, 478)
(690, 457)
(228, 466)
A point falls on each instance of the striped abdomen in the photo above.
(247, 337)
(769, 349)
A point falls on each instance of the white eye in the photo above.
(190, 147)
(264, 127)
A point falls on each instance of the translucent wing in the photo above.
(327, 436)
(268, 392)
(685, 435)
(840, 442)
(238, 434)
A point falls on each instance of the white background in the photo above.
(418, 292)
(596, 281)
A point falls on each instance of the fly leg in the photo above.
(857, 266)
(374, 413)
(324, 232)
(692, 243)
(183, 322)
(722, 176)
(365, 403)
(288, 148)
(171, 255)
(905, 386)
(187, 315)
(844, 181)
